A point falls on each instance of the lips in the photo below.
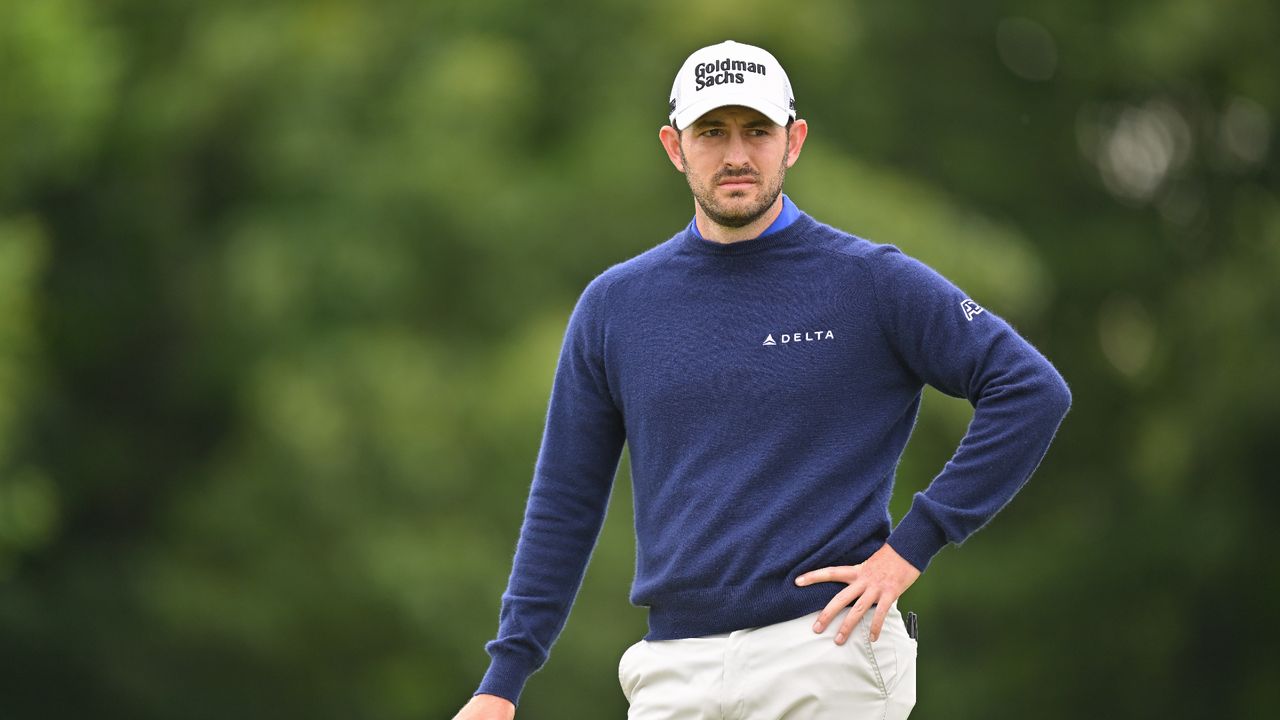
(737, 183)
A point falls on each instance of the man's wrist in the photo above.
(506, 677)
(917, 539)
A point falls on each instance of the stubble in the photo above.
(718, 212)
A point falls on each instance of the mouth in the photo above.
(736, 183)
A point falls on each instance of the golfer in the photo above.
(765, 370)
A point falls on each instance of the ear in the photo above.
(798, 132)
(670, 138)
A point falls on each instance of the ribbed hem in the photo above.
(709, 611)
(763, 601)
(506, 677)
(917, 539)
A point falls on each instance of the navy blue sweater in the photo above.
(766, 389)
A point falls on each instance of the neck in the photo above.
(716, 232)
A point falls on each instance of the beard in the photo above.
(718, 212)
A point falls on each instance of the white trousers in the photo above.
(783, 671)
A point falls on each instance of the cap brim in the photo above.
(685, 117)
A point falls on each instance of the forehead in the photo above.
(734, 115)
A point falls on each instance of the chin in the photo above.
(740, 196)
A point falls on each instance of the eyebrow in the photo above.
(757, 123)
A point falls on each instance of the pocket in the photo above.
(884, 659)
(892, 654)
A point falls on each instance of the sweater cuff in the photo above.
(506, 676)
(917, 539)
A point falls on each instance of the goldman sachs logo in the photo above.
(806, 336)
(725, 71)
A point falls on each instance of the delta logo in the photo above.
(795, 337)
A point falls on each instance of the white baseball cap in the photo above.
(731, 73)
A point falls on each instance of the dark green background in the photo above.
(282, 286)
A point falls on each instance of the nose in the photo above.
(735, 155)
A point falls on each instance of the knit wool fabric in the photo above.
(766, 390)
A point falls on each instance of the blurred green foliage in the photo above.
(282, 286)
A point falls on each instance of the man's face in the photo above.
(735, 159)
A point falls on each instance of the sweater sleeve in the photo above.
(947, 340)
(572, 481)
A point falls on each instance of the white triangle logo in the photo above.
(769, 340)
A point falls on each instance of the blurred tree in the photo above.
(282, 287)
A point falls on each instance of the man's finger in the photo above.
(851, 620)
(836, 604)
(882, 611)
(839, 573)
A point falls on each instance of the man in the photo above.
(765, 370)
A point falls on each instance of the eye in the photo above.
(713, 132)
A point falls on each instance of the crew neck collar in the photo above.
(786, 216)
(788, 232)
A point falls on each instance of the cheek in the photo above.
(770, 157)
(700, 166)
(773, 162)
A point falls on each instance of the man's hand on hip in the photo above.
(487, 707)
(880, 579)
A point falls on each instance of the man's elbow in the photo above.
(1055, 393)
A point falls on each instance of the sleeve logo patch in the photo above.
(970, 308)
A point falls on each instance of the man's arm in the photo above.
(1019, 400)
(572, 481)
(947, 340)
